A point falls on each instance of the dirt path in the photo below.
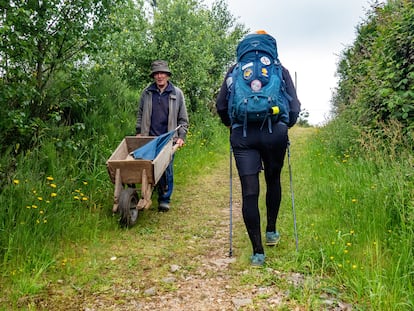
(182, 264)
(173, 261)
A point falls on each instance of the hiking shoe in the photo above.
(163, 207)
(257, 260)
(272, 238)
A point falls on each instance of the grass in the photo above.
(354, 221)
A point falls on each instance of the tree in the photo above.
(198, 43)
(43, 47)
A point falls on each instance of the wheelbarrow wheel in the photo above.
(128, 201)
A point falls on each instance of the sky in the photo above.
(310, 34)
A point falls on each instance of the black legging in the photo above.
(250, 208)
(259, 150)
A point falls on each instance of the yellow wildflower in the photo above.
(16, 181)
(50, 178)
(53, 185)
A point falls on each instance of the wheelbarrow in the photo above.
(126, 172)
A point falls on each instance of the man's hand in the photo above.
(179, 142)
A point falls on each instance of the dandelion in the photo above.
(76, 197)
(354, 267)
(53, 194)
(41, 212)
(352, 232)
(354, 200)
(34, 206)
(345, 251)
(16, 181)
(28, 206)
(44, 221)
(84, 199)
(38, 221)
(85, 183)
(348, 244)
(77, 191)
(331, 258)
(50, 178)
(340, 265)
(40, 198)
(53, 185)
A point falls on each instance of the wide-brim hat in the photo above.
(160, 66)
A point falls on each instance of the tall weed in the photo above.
(365, 186)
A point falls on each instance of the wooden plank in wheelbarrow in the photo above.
(162, 160)
(131, 169)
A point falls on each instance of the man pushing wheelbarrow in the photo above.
(147, 158)
(161, 110)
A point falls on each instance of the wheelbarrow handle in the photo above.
(175, 148)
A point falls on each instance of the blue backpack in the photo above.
(256, 87)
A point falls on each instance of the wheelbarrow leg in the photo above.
(118, 189)
(146, 192)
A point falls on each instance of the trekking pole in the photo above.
(293, 198)
(231, 204)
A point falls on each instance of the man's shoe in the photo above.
(257, 260)
(272, 238)
(163, 207)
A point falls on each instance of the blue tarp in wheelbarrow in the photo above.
(151, 149)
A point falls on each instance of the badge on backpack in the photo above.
(265, 60)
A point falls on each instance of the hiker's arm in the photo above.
(222, 101)
(294, 103)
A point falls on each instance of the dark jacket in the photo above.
(222, 99)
